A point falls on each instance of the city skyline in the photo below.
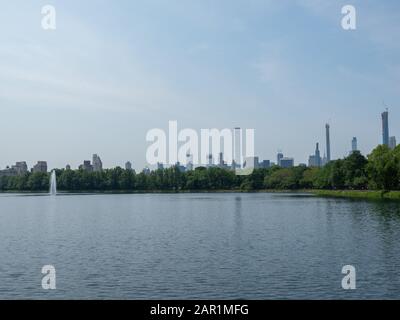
(110, 72)
(313, 160)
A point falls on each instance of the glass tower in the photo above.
(385, 128)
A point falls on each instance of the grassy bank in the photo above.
(359, 194)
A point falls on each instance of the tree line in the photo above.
(380, 170)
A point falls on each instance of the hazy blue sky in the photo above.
(115, 69)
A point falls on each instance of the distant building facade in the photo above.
(385, 128)
(328, 144)
(20, 168)
(354, 146)
(237, 151)
(8, 172)
(189, 166)
(282, 161)
(315, 159)
(41, 166)
(210, 161)
(180, 167)
(324, 160)
(86, 166)
(287, 162)
(160, 166)
(392, 142)
(189, 162)
(234, 166)
(97, 164)
(128, 166)
(279, 156)
(221, 159)
(146, 171)
(265, 164)
(251, 162)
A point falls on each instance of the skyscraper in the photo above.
(265, 164)
(385, 127)
(237, 147)
(354, 144)
(317, 155)
(328, 143)
(287, 162)
(210, 160)
(189, 162)
(221, 159)
(279, 156)
(86, 166)
(392, 142)
(315, 159)
(128, 166)
(97, 164)
(41, 166)
(324, 160)
(251, 162)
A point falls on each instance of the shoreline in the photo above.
(151, 191)
(344, 194)
(358, 194)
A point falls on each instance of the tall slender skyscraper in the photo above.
(328, 143)
(279, 157)
(221, 159)
(354, 144)
(317, 155)
(237, 147)
(385, 127)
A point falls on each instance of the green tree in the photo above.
(354, 168)
(383, 168)
(38, 181)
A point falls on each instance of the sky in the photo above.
(113, 70)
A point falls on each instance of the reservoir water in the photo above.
(198, 246)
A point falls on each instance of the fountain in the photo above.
(53, 183)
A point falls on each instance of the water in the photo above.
(197, 246)
(53, 183)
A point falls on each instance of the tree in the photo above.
(309, 178)
(380, 170)
(284, 178)
(383, 168)
(354, 167)
(38, 181)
